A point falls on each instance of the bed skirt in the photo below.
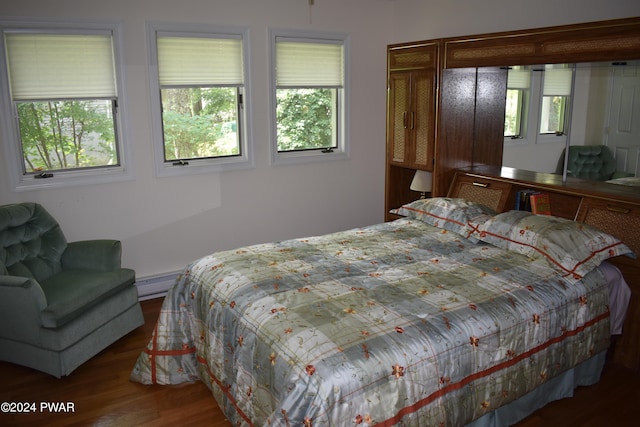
(559, 387)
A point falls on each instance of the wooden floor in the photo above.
(102, 395)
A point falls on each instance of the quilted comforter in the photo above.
(397, 323)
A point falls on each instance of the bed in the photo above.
(449, 316)
(632, 181)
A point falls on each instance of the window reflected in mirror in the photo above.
(551, 107)
(539, 95)
(516, 111)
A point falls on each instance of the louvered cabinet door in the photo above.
(399, 120)
(412, 104)
(423, 122)
(411, 130)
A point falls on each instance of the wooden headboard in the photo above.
(614, 209)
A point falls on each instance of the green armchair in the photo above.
(595, 162)
(60, 303)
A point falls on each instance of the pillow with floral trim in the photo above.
(457, 215)
(572, 248)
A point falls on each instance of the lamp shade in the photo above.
(422, 181)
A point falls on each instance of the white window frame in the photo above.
(546, 138)
(342, 151)
(18, 180)
(525, 89)
(534, 111)
(205, 165)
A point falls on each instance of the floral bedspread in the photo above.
(632, 181)
(399, 323)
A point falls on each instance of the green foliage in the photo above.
(197, 123)
(67, 134)
(193, 119)
(304, 118)
(513, 113)
(553, 114)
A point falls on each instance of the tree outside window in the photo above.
(63, 92)
(200, 123)
(58, 135)
(200, 80)
(306, 119)
(309, 93)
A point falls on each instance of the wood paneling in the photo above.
(454, 148)
(491, 93)
(594, 41)
(418, 55)
(402, 178)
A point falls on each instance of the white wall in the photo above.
(165, 223)
(427, 19)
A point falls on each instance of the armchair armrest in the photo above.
(96, 255)
(21, 302)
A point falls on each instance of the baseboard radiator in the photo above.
(155, 286)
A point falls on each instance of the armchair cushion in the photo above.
(72, 292)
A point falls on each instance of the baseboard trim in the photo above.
(157, 286)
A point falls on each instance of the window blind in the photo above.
(199, 61)
(557, 81)
(60, 66)
(519, 78)
(309, 64)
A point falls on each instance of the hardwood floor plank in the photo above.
(102, 394)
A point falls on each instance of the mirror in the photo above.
(605, 110)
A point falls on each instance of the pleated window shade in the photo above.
(60, 66)
(309, 64)
(557, 81)
(199, 61)
(519, 78)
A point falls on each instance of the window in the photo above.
(518, 84)
(310, 76)
(61, 110)
(540, 95)
(199, 96)
(555, 95)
